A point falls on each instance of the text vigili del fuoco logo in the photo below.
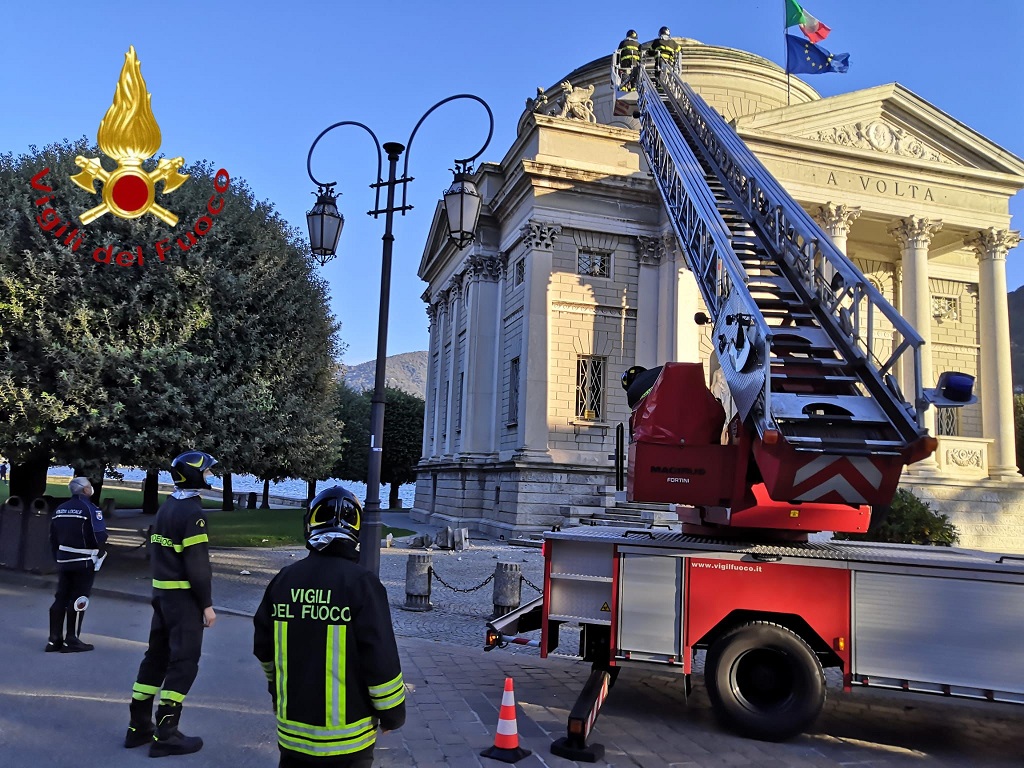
(129, 135)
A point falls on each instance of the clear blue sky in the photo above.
(249, 85)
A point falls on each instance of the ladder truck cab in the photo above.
(805, 428)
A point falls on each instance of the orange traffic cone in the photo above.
(506, 741)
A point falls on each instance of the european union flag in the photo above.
(803, 56)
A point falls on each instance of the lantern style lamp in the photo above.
(462, 203)
(324, 222)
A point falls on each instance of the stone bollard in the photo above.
(417, 582)
(508, 588)
(251, 502)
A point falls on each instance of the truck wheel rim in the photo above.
(762, 679)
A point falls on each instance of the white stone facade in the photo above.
(575, 276)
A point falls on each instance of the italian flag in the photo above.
(813, 30)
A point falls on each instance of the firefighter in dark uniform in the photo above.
(629, 57)
(663, 50)
(182, 607)
(77, 538)
(323, 634)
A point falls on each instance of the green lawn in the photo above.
(241, 528)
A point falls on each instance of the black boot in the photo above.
(140, 726)
(169, 740)
(72, 643)
(56, 639)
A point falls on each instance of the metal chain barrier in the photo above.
(531, 584)
(435, 575)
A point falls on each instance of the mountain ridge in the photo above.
(406, 371)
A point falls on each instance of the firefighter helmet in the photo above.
(631, 34)
(630, 374)
(335, 511)
(664, 32)
(191, 470)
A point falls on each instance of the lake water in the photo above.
(292, 489)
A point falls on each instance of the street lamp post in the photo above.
(462, 208)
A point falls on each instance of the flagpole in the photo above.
(785, 48)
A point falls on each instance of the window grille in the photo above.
(946, 308)
(520, 274)
(444, 412)
(593, 264)
(947, 421)
(513, 391)
(590, 388)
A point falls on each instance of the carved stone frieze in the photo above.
(836, 218)
(915, 231)
(539, 235)
(881, 137)
(965, 457)
(993, 243)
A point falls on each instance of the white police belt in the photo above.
(89, 554)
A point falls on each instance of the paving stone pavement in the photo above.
(455, 687)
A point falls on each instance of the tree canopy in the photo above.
(225, 345)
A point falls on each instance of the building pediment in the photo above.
(887, 119)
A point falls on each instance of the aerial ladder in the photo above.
(818, 427)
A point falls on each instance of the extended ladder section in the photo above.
(795, 322)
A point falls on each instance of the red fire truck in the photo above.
(809, 432)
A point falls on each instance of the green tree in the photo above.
(1018, 428)
(226, 345)
(403, 436)
(907, 520)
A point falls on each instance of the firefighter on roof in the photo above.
(664, 50)
(182, 607)
(324, 637)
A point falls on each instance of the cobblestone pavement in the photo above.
(455, 687)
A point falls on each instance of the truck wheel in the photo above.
(764, 681)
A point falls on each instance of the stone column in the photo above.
(995, 381)
(914, 234)
(482, 356)
(451, 365)
(685, 347)
(441, 313)
(647, 309)
(428, 421)
(539, 242)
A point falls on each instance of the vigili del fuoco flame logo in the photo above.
(129, 135)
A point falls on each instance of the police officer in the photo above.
(182, 607)
(629, 57)
(664, 50)
(323, 634)
(77, 536)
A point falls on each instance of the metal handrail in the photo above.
(706, 241)
(825, 274)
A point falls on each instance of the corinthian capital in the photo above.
(483, 268)
(647, 251)
(915, 231)
(993, 243)
(540, 235)
(836, 218)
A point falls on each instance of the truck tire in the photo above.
(764, 681)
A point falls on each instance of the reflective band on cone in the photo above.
(506, 740)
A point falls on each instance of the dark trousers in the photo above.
(175, 644)
(71, 584)
(361, 759)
